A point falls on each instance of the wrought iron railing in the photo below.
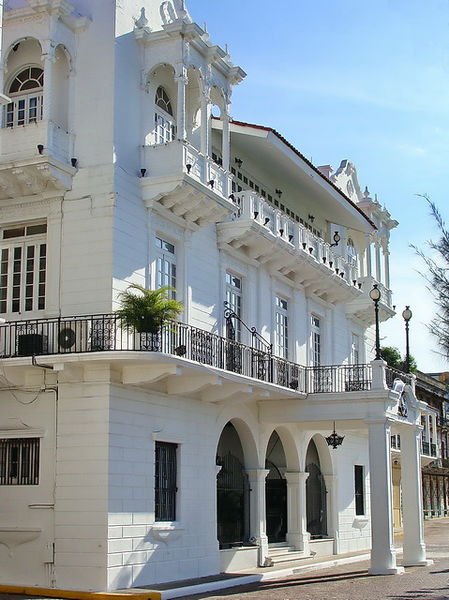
(393, 374)
(104, 332)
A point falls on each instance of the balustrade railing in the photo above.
(105, 333)
(254, 207)
(392, 375)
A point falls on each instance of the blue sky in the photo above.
(367, 81)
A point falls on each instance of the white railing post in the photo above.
(379, 381)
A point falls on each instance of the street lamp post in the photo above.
(375, 296)
(407, 315)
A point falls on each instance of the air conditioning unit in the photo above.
(72, 337)
(31, 344)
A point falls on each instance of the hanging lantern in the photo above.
(334, 439)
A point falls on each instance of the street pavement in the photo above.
(351, 581)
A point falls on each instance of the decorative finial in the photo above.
(366, 192)
(142, 21)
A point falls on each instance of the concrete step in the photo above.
(285, 554)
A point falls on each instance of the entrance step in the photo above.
(282, 553)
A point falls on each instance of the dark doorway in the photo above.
(316, 495)
(232, 490)
(276, 505)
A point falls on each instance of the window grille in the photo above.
(19, 461)
(165, 481)
(359, 490)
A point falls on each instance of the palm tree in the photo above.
(147, 310)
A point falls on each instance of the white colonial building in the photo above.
(130, 459)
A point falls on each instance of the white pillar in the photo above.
(412, 506)
(181, 80)
(226, 141)
(369, 266)
(378, 268)
(49, 58)
(387, 268)
(205, 122)
(297, 534)
(332, 510)
(378, 375)
(256, 479)
(383, 554)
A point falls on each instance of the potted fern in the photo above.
(145, 311)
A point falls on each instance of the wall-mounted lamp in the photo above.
(232, 197)
(336, 238)
(40, 148)
(278, 192)
(74, 162)
(143, 172)
(189, 168)
(211, 183)
(267, 220)
(311, 218)
(290, 237)
(281, 232)
(238, 162)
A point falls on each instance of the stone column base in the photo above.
(417, 563)
(386, 571)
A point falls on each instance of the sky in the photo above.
(359, 80)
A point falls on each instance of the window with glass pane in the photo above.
(23, 263)
(316, 341)
(351, 252)
(234, 300)
(281, 329)
(166, 266)
(359, 489)
(164, 124)
(26, 92)
(165, 478)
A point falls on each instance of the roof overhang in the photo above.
(268, 147)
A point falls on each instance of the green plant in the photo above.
(147, 310)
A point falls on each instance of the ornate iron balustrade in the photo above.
(392, 374)
(104, 332)
(338, 378)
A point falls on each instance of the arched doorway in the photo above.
(232, 491)
(276, 491)
(316, 494)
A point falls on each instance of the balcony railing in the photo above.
(254, 207)
(179, 157)
(104, 333)
(394, 374)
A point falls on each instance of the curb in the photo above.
(78, 595)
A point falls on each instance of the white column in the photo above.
(256, 479)
(181, 80)
(387, 268)
(226, 141)
(383, 554)
(49, 58)
(412, 506)
(332, 510)
(205, 122)
(379, 381)
(297, 534)
(378, 269)
(369, 267)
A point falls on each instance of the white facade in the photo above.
(114, 171)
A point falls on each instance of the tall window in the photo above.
(281, 329)
(316, 341)
(166, 265)
(165, 481)
(359, 489)
(19, 461)
(234, 300)
(26, 93)
(23, 262)
(355, 349)
(164, 122)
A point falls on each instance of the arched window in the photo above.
(351, 253)
(26, 92)
(164, 122)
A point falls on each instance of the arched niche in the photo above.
(233, 500)
(21, 53)
(276, 490)
(317, 464)
(159, 119)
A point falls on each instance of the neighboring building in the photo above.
(126, 458)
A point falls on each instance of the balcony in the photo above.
(103, 333)
(362, 307)
(35, 157)
(180, 181)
